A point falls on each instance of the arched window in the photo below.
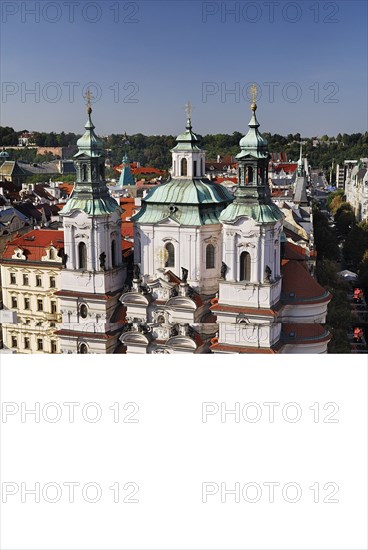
(113, 253)
(195, 168)
(83, 348)
(82, 256)
(250, 174)
(210, 256)
(51, 254)
(83, 311)
(245, 266)
(84, 172)
(184, 167)
(170, 262)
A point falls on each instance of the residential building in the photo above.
(30, 274)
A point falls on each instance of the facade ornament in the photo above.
(184, 275)
(136, 272)
(102, 259)
(268, 274)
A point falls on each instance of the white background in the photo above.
(170, 452)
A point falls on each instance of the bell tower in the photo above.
(250, 288)
(94, 271)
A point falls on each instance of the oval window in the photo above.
(83, 311)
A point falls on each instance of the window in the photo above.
(52, 282)
(38, 280)
(210, 256)
(84, 172)
(27, 303)
(170, 262)
(25, 280)
(245, 266)
(82, 256)
(14, 342)
(184, 167)
(250, 174)
(194, 168)
(53, 307)
(27, 321)
(39, 305)
(13, 279)
(26, 343)
(39, 344)
(52, 254)
(83, 348)
(14, 302)
(113, 253)
(83, 311)
(53, 346)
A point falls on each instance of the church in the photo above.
(214, 271)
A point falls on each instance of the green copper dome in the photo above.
(188, 140)
(90, 193)
(187, 201)
(89, 144)
(253, 144)
(261, 213)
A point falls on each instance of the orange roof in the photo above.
(221, 179)
(294, 252)
(34, 244)
(125, 245)
(127, 204)
(304, 332)
(247, 310)
(243, 349)
(66, 187)
(298, 284)
(127, 229)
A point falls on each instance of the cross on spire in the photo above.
(254, 92)
(188, 109)
(89, 97)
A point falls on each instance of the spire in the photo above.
(300, 161)
(189, 109)
(89, 144)
(90, 192)
(126, 177)
(252, 197)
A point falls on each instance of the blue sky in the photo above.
(148, 58)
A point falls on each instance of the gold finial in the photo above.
(254, 92)
(89, 97)
(188, 109)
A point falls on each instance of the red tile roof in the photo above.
(242, 349)
(127, 204)
(221, 179)
(299, 286)
(246, 310)
(127, 229)
(34, 244)
(301, 333)
(294, 252)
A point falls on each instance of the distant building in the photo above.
(30, 272)
(356, 187)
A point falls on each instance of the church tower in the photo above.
(249, 292)
(178, 255)
(94, 273)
